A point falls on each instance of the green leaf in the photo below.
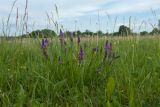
(108, 104)
(110, 87)
(131, 100)
(20, 96)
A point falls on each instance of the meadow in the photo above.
(29, 79)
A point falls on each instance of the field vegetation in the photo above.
(60, 68)
(29, 78)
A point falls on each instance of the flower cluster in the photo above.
(109, 53)
(61, 38)
(109, 56)
(44, 46)
(81, 55)
(108, 49)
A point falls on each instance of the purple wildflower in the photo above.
(108, 49)
(61, 37)
(79, 40)
(44, 46)
(45, 43)
(81, 55)
(61, 34)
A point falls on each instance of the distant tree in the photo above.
(134, 34)
(67, 33)
(100, 33)
(34, 34)
(48, 33)
(94, 34)
(144, 33)
(75, 33)
(106, 34)
(155, 31)
(78, 32)
(87, 33)
(40, 33)
(124, 30)
(115, 34)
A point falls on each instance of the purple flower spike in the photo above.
(61, 37)
(108, 46)
(61, 34)
(108, 49)
(81, 55)
(45, 43)
(109, 53)
(42, 43)
(44, 46)
(79, 40)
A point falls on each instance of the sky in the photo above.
(94, 15)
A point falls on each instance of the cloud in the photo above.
(128, 6)
(74, 8)
(37, 9)
(69, 10)
(133, 6)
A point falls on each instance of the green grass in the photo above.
(27, 79)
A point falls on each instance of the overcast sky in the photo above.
(83, 14)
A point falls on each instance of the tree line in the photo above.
(123, 31)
